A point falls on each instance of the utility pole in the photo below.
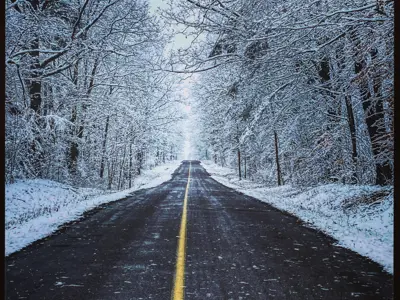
(238, 151)
(278, 168)
(245, 166)
(240, 171)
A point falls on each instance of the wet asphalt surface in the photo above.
(236, 248)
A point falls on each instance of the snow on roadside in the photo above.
(341, 211)
(37, 208)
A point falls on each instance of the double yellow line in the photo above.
(179, 281)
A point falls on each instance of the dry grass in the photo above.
(371, 199)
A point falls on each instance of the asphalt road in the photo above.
(236, 248)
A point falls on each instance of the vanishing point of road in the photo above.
(191, 238)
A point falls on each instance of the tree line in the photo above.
(83, 102)
(294, 92)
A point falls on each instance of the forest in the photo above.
(294, 93)
(84, 104)
(286, 93)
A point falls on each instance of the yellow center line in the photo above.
(179, 282)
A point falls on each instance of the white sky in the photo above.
(184, 88)
(180, 40)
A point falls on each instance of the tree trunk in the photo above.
(352, 127)
(278, 168)
(245, 166)
(139, 157)
(239, 164)
(110, 174)
(325, 77)
(121, 170)
(374, 118)
(103, 154)
(35, 83)
(35, 95)
(130, 165)
(74, 151)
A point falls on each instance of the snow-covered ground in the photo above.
(360, 218)
(37, 208)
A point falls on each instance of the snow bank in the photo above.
(37, 208)
(360, 218)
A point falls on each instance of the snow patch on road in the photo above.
(359, 217)
(37, 208)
